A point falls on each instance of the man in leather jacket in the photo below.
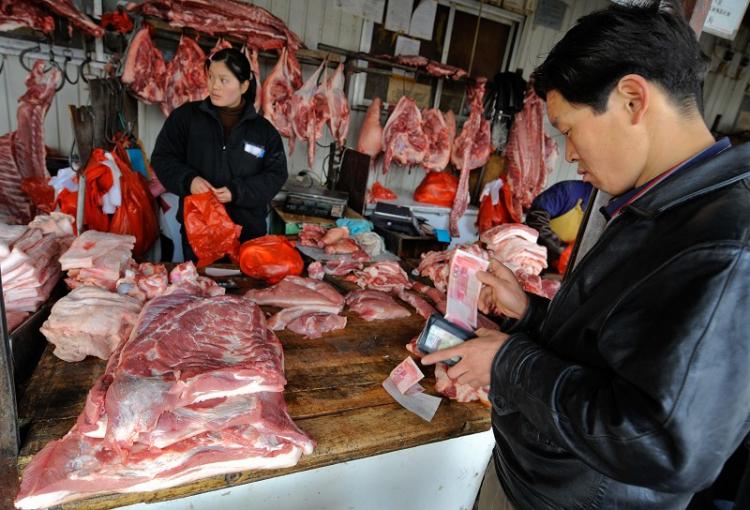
(631, 388)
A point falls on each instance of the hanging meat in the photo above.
(14, 14)
(252, 56)
(370, 140)
(260, 29)
(145, 72)
(530, 153)
(22, 152)
(186, 76)
(68, 10)
(404, 140)
(15, 208)
(221, 44)
(277, 97)
(471, 150)
(439, 137)
(310, 112)
(29, 148)
(338, 105)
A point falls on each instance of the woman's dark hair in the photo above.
(238, 65)
(651, 39)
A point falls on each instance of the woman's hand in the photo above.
(501, 293)
(223, 195)
(200, 185)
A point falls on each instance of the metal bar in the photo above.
(9, 437)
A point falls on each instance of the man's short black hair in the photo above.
(651, 39)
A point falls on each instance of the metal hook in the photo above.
(23, 54)
(66, 77)
(81, 74)
(2, 65)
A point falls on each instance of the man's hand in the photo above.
(223, 195)
(501, 293)
(475, 367)
(200, 185)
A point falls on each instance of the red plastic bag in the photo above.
(210, 231)
(380, 192)
(492, 215)
(98, 183)
(562, 262)
(270, 258)
(119, 21)
(437, 188)
(136, 215)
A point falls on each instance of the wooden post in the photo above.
(696, 12)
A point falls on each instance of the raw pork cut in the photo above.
(97, 258)
(404, 140)
(195, 392)
(370, 139)
(259, 28)
(338, 105)
(514, 245)
(14, 204)
(90, 321)
(252, 57)
(471, 150)
(144, 282)
(14, 14)
(422, 307)
(530, 154)
(186, 76)
(296, 291)
(68, 10)
(454, 390)
(28, 142)
(311, 234)
(185, 278)
(310, 112)
(315, 325)
(387, 276)
(342, 246)
(439, 135)
(278, 90)
(375, 305)
(306, 301)
(434, 264)
(145, 72)
(155, 370)
(333, 235)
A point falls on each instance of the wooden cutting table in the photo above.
(334, 394)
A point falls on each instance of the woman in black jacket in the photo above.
(221, 144)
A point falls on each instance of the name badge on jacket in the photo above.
(256, 151)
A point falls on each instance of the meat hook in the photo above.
(68, 57)
(23, 54)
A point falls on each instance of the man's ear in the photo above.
(633, 91)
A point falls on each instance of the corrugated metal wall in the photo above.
(321, 21)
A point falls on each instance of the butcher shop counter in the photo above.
(334, 394)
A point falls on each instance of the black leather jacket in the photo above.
(632, 387)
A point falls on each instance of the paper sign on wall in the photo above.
(371, 10)
(423, 20)
(724, 18)
(398, 15)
